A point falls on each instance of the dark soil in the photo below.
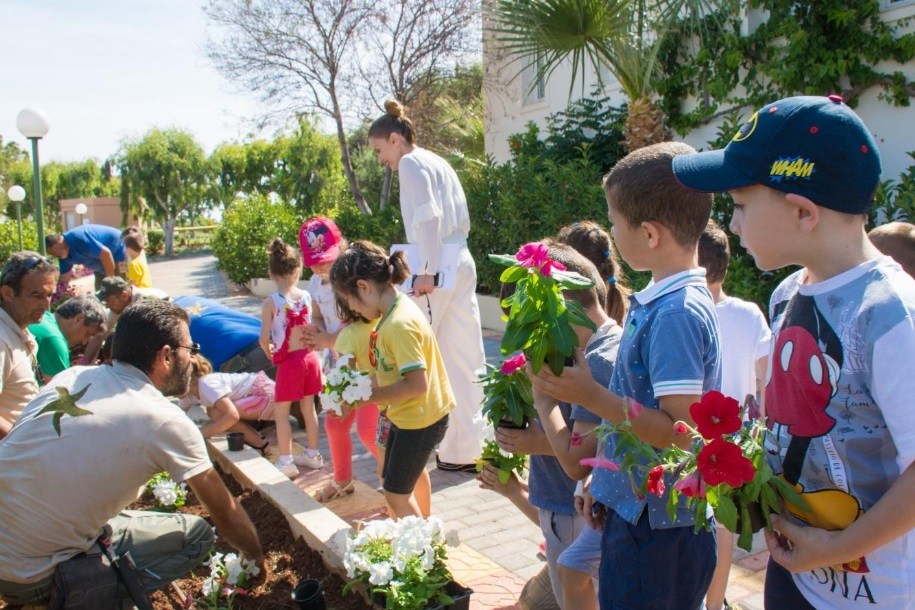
(288, 561)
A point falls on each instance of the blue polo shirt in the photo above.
(669, 347)
(221, 332)
(86, 243)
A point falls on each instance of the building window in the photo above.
(888, 4)
(533, 89)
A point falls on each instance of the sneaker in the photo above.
(290, 470)
(455, 467)
(315, 462)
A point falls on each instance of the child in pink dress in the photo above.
(284, 316)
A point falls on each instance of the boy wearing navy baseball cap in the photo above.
(802, 172)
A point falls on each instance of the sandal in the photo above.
(334, 490)
(262, 449)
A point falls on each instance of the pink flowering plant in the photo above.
(540, 319)
(507, 393)
(724, 468)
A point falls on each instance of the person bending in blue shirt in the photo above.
(95, 246)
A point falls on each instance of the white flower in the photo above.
(381, 573)
(351, 394)
(334, 377)
(343, 361)
(234, 568)
(210, 586)
(165, 492)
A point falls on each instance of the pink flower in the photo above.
(600, 462)
(536, 254)
(633, 408)
(513, 364)
(716, 415)
(656, 481)
(575, 441)
(691, 485)
(680, 429)
(723, 462)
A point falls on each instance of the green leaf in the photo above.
(513, 274)
(569, 280)
(506, 260)
(726, 513)
(503, 476)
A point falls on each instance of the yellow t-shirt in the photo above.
(354, 339)
(405, 343)
(138, 272)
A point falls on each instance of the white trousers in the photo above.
(456, 325)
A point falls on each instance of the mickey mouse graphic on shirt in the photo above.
(804, 371)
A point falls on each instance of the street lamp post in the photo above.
(81, 209)
(16, 195)
(33, 124)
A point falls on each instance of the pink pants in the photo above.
(341, 444)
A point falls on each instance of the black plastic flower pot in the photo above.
(460, 595)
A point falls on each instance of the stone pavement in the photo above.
(499, 546)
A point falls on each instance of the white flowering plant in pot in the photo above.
(230, 576)
(401, 563)
(345, 384)
(168, 495)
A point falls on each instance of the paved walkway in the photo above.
(499, 549)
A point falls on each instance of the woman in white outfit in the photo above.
(434, 211)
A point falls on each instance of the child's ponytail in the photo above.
(400, 270)
(284, 259)
(592, 241)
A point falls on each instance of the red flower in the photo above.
(724, 462)
(575, 441)
(656, 481)
(600, 462)
(536, 254)
(691, 485)
(680, 428)
(513, 364)
(716, 414)
(633, 408)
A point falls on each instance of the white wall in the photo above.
(893, 127)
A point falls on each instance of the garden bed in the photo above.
(288, 561)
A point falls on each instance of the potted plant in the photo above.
(401, 565)
(230, 576)
(168, 495)
(540, 320)
(508, 397)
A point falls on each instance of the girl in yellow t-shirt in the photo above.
(410, 375)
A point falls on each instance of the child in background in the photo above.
(321, 244)
(137, 269)
(803, 172)
(896, 240)
(593, 242)
(668, 358)
(230, 400)
(408, 367)
(284, 315)
(353, 339)
(744, 340)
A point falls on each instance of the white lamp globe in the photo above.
(16, 193)
(81, 208)
(33, 123)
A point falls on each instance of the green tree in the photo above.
(167, 169)
(624, 36)
(247, 168)
(309, 172)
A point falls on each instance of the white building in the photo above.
(508, 109)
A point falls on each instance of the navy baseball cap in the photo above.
(811, 146)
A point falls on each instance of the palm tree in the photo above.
(622, 35)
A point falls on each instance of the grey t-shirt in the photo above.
(58, 490)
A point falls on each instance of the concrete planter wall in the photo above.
(264, 287)
(490, 313)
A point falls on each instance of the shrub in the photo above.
(155, 241)
(384, 227)
(248, 226)
(9, 238)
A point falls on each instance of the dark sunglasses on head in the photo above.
(21, 267)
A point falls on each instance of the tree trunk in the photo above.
(348, 168)
(169, 227)
(386, 187)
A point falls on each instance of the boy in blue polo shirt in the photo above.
(802, 172)
(668, 358)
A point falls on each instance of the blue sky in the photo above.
(104, 70)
